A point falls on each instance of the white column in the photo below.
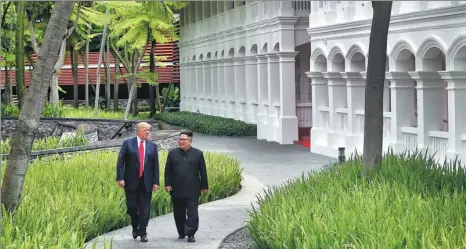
(214, 88)
(199, 86)
(206, 87)
(355, 93)
(240, 89)
(288, 119)
(262, 81)
(182, 86)
(193, 86)
(252, 86)
(430, 99)
(336, 95)
(229, 88)
(221, 88)
(402, 96)
(319, 98)
(273, 87)
(320, 118)
(456, 112)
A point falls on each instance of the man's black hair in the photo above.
(187, 133)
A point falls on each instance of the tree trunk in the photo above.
(116, 85)
(131, 96)
(87, 70)
(8, 91)
(152, 70)
(1, 161)
(54, 97)
(20, 86)
(373, 121)
(108, 93)
(34, 101)
(101, 54)
(75, 62)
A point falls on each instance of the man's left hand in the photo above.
(205, 191)
(156, 187)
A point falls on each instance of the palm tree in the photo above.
(134, 25)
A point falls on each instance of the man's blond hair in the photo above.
(141, 125)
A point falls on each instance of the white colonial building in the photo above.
(238, 60)
(254, 61)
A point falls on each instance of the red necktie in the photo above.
(141, 158)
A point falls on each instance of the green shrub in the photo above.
(48, 143)
(9, 110)
(67, 111)
(211, 125)
(53, 110)
(412, 203)
(69, 201)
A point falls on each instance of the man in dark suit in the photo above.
(138, 173)
(185, 179)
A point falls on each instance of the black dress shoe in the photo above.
(191, 238)
(144, 238)
(135, 234)
(181, 236)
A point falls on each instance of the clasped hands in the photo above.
(121, 184)
(169, 188)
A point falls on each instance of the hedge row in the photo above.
(412, 203)
(67, 202)
(207, 124)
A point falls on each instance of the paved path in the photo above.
(264, 164)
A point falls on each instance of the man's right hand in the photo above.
(168, 188)
(121, 183)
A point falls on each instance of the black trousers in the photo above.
(138, 207)
(185, 211)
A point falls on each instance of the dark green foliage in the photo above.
(206, 124)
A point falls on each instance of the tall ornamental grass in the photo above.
(412, 203)
(67, 202)
(49, 143)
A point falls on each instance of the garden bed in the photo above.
(67, 202)
(412, 203)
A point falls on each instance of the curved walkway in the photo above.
(264, 163)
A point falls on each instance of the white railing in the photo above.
(234, 18)
(342, 119)
(387, 125)
(304, 114)
(410, 135)
(325, 119)
(332, 12)
(439, 144)
(301, 8)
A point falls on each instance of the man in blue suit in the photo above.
(138, 174)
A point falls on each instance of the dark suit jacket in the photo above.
(186, 173)
(128, 165)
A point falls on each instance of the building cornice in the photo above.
(416, 21)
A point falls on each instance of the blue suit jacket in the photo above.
(127, 168)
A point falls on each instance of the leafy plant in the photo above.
(413, 203)
(172, 98)
(63, 208)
